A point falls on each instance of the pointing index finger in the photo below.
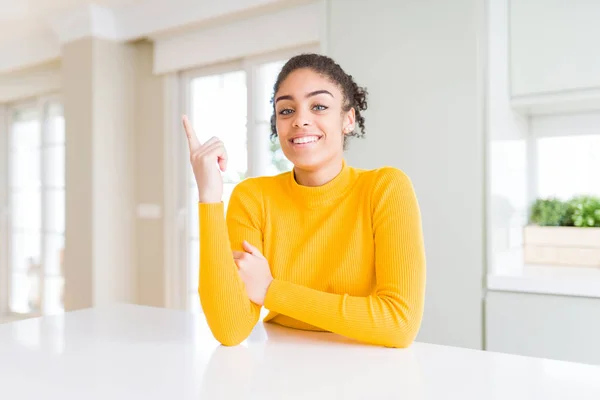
(193, 141)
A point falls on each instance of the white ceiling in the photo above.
(33, 31)
(22, 18)
(23, 9)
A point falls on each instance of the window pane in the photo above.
(194, 303)
(190, 175)
(508, 165)
(227, 190)
(568, 166)
(25, 168)
(56, 124)
(25, 251)
(267, 74)
(194, 253)
(36, 192)
(25, 129)
(279, 163)
(24, 289)
(26, 207)
(193, 213)
(54, 170)
(53, 295)
(508, 200)
(53, 257)
(507, 211)
(219, 106)
(55, 210)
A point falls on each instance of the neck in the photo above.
(320, 176)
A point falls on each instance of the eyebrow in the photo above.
(316, 92)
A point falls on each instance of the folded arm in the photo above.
(391, 316)
(229, 312)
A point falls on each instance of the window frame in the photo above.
(41, 104)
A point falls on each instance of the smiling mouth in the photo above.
(305, 140)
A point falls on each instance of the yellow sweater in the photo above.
(347, 257)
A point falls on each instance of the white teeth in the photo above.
(306, 139)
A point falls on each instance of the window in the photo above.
(508, 200)
(36, 204)
(217, 108)
(539, 144)
(552, 156)
(233, 103)
(276, 162)
(568, 166)
(564, 155)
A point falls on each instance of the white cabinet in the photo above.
(553, 53)
(554, 46)
(547, 326)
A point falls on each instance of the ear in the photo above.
(349, 123)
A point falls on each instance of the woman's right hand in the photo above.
(204, 159)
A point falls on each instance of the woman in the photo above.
(325, 247)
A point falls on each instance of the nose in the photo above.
(301, 119)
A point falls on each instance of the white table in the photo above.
(132, 352)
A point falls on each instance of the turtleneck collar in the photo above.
(319, 196)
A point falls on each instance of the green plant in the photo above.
(580, 211)
(586, 212)
(548, 212)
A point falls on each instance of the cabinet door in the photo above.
(547, 326)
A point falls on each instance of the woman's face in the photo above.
(309, 119)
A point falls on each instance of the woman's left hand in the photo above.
(254, 270)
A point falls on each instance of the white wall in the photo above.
(554, 46)
(421, 63)
(557, 327)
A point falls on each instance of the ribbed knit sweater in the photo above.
(347, 257)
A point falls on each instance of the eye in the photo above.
(320, 107)
(285, 111)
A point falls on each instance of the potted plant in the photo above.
(563, 232)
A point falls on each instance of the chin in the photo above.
(307, 158)
(308, 162)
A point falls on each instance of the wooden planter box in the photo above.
(562, 245)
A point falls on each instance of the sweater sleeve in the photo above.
(391, 316)
(229, 312)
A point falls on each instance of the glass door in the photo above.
(36, 202)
